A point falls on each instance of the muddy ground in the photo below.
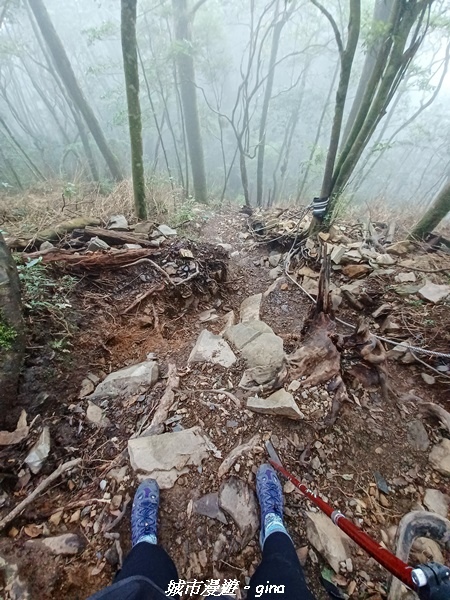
(370, 435)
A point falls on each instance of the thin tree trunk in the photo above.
(381, 15)
(34, 169)
(65, 71)
(385, 80)
(155, 118)
(77, 117)
(10, 166)
(434, 215)
(318, 134)
(12, 335)
(186, 71)
(131, 71)
(347, 57)
(278, 27)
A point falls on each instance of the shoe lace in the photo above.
(147, 517)
(271, 495)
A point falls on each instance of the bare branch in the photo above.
(333, 24)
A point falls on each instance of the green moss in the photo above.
(7, 335)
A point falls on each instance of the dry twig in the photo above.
(40, 488)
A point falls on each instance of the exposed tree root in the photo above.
(319, 359)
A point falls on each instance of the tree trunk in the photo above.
(385, 79)
(265, 107)
(12, 335)
(434, 215)
(347, 57)
(318, 134)
(381, 14)
(65, 71)
(186, 71)
(131, 71)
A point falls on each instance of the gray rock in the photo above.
(259, 376)
(167, 231)
(243, 333)
(118, 222)
(418, 436)
(265, 350)
(337, 253)
(95, 244)
(437, 502)
(132, 246)
(39, 452)
(440, 457)
(275, 273)
(212, 348)
(281, 404)
(208, 506)
(167, 456)
(112, 556)
(227, 247)
(128, 381)
(429, 379)
(332, 543)
(274, 260)
(46, 246)
(250, 308)
(143, 228)
(433, 292)
(385, 259)
(96, 415)
(238, 500)
(118, 474)
(87, 387)
(405, 277)
(60, 545)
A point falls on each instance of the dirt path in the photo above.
(372, 438)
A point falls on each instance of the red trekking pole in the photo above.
(431, 581)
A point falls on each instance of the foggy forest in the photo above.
(238, 100)
(224, 242)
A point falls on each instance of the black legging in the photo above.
(279, 567)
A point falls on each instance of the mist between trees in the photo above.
(255, 102)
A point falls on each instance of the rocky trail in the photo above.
(185, 356)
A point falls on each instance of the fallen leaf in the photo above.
(10, 438)
(32, 530)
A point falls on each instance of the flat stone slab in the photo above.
(128, 381)
(265, 350)
(243, 333)
(440, 457)
(281, 404)
(433, 292)
(332, 543)
(167, 231)
(212, 348)
(60, 545)
(250, 308)
(238, 500)
(437, 502)
(96, 415)
(418, 436)
(165, 457)
(208, 506)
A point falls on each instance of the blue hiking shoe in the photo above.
(270, 496)
(144, 514)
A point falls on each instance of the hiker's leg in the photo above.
(146, 557)
(279, 567)
(151, 561)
